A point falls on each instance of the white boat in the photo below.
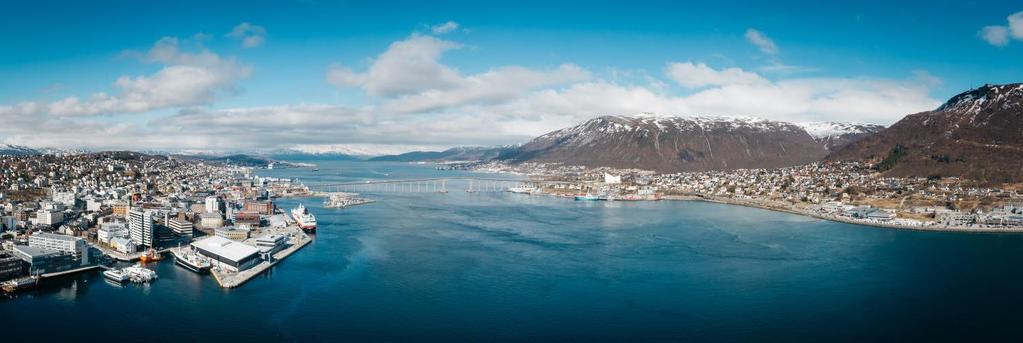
(138, 274)
(305, 220)
(116, 275)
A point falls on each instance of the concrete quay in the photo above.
(228, 279)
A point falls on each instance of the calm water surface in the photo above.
(507, 267)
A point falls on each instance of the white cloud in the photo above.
(1016, 25)
(408, 66)
(995, 35)
(416, 100)
(998, 35)
(447, 27)
(699, 75)
(765, 44)
(250, 35)
(186, 79)
(413, 79)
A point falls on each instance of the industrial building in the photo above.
(227, 254)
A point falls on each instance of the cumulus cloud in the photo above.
(995, 35)
(698, 75)
(185, 79)
(410, 74)
(414, 99)
(251, 36)
(998, 35)
(447, 27)
(762, 42)
(408, 66)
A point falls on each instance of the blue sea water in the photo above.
(507, 267)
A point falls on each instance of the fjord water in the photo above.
(507, 267)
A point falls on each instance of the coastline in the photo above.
(874, 224)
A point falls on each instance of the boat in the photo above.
(344, 200)
(19, 284)
(150, 256)
(305, 220)
(139, 274)
(587, 197)
(191, 260)
(116, 275)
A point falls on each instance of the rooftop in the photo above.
(226, 248)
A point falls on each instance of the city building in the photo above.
(109, 231)
(8, 223)
(180, 226)
(123, 245)
(271, 243)
(212, 204)
(233, 233)
(140, 226)
(49, 217)
(211, 220)
(42, 261)
(10, 266)
(227, 254)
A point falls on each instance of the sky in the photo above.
(377, 77)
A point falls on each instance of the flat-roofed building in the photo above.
(211, 220)
(108, 231)
(235, 233)
(10, 266)
(247, 217)
(227, 254)
(61, 243)
(271, 243)
(181, 227)
(42, 261)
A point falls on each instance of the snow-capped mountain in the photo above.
(672, 144)
(17, 150)
(836, 135)
(466, 153)
(977, 134)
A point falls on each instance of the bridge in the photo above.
(434, 185)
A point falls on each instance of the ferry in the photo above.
(116, 275)
(191, 260)
(306, 220)
(587, 197)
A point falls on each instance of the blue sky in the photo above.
(506, 71)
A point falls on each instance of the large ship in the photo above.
(305, 220)
(191, 260)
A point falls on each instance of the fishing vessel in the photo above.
(191, 260)
(305, 220)
(116, 275)
(587, 197)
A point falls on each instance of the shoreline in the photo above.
(789, 210)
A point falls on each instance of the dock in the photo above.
(231, 280)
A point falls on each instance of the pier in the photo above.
(231, 280)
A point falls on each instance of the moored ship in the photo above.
(191, 260)
(116, 275)
(305, 220)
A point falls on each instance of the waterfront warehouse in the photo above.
(228, 254)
